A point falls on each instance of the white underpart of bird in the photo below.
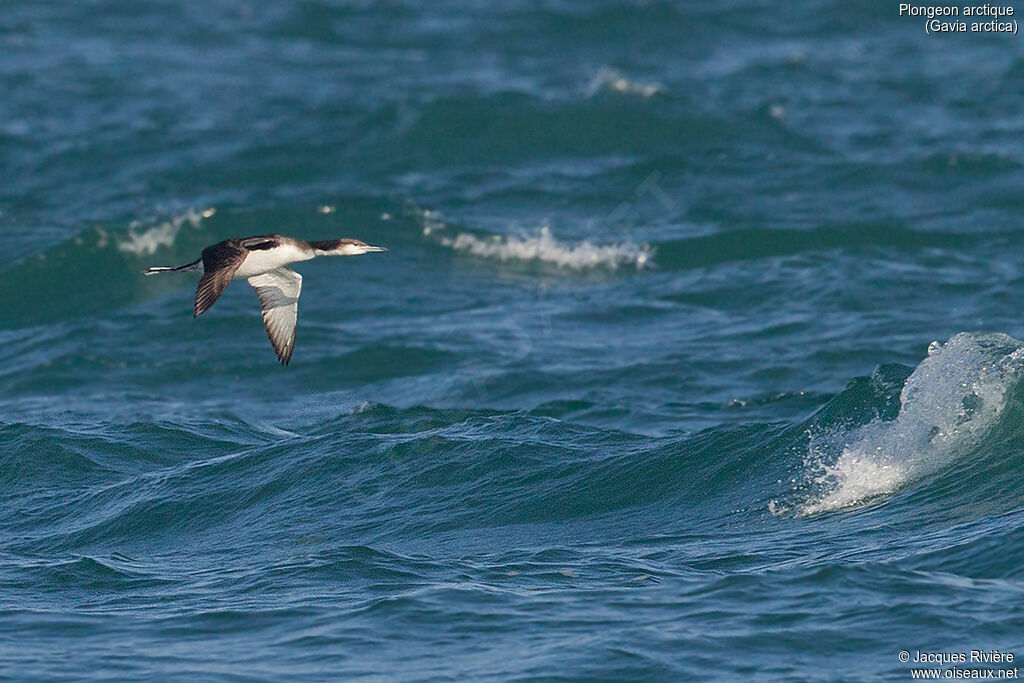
(263, 261)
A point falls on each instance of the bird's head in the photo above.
(345, 247)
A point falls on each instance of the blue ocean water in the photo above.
(644, 388)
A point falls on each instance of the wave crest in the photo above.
(545, 248)
(610, 80)
(147, 242)
(949, 404)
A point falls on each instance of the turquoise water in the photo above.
(642, 389)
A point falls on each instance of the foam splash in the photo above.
(541, 246)
(545, 248)
(610, 80)
(148, 241)
(950, 402)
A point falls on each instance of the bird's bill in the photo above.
(369, 248)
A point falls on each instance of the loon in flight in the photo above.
(263, 261)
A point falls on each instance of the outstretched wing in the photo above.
(278, 291)
(220, 262)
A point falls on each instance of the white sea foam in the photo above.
(540, 246)
(950, 402)
(544, 247)
(145, 242)
(610, 80)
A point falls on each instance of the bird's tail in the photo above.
(194, 266)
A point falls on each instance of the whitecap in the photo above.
(952, 400)
(610, 80)
(543, 247)
(145, 242)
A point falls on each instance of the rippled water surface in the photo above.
(641, 390)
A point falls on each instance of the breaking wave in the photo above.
(611, 81)
(948, 406)
(545, 248)
(147, 241)
(540, 247)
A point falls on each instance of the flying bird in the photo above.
(263, 261)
